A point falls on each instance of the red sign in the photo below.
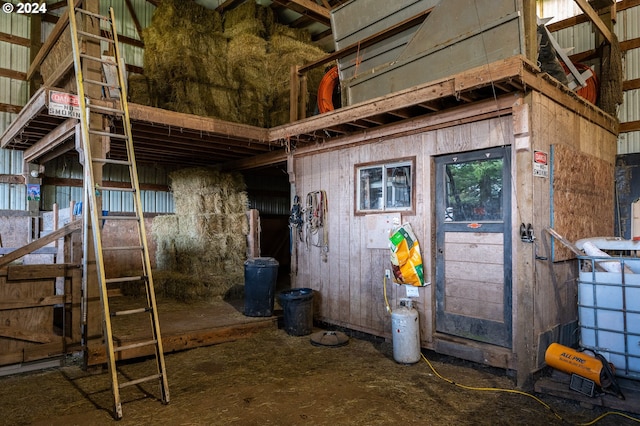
(64, 98)
(540, 157)
(474, 225)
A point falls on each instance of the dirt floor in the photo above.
(273, 378)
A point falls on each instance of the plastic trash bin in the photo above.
(260, 275)
(297, 307)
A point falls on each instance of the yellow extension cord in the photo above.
(514, 391)
(473, 388)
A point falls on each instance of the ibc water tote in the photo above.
(406, 333)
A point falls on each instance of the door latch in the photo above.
(526, 233)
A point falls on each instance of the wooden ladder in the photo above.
(93, 191)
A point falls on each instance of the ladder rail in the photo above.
(151, 298)
(92, 193)
(89, 184)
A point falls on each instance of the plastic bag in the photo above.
(406, 260)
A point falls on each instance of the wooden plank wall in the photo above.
(349, 287)
(579, 203)
(27, 301)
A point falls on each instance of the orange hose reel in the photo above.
(327, 87)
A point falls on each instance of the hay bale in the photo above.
(206, 238)
(233, 67)
(138, 89)
(284, 52)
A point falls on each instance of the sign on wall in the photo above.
(64, 104)
(540, 164)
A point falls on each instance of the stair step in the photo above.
(131, 312)
(111, 135)
(96, 36)
(93, 14)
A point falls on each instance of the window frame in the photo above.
(404, 161)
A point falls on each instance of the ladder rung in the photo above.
(141, 380)
(96, 36)
(109, 217)
(95, 15)
(131, 312)
(96, 59)
(110, 161)
(111, 135)
(101, 83)
(113, 188)
(122, 248)
(97, 108)
(123, 279)
(134, 345)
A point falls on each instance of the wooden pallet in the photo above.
(558, 385)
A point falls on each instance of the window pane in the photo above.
(371, 188)
(474, 190)
(398, 186)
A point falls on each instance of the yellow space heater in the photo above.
(586, 371)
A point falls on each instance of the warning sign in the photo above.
(540, 164)
(64, 104)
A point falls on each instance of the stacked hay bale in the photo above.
(288, 47)
(202, 248)
(234, 67)
(184, 60)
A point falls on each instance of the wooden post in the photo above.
(303, 95)
(530, 30)
(36, 43)
(294, 94)
(253, 239)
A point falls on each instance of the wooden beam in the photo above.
(307, 8)
(49, 142)
(37, 272)
(593, 16)
(10, 38)
(41, 242)
(15, 179)
(209, 125)
(631, 84)
(630, 126)
(16, 75)
(13, 109)
(31, 302)
(134, 17)
(61, 25)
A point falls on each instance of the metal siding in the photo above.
(631, 64)
(629, 143)
(631, 106)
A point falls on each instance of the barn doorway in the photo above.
(473, 245)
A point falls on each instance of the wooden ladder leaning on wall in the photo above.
(93, 191)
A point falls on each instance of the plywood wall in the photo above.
(349, 286)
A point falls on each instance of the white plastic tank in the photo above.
(406, 333)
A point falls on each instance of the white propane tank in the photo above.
(406, 333)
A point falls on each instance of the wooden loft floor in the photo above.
(167, 137)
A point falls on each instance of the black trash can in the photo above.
(297, 307)
(260, 275)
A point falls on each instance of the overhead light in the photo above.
(34, 173)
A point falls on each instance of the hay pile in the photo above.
(235, 66)
(202, 248)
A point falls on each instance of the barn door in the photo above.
(473, 249)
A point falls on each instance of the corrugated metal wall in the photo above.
(628, 28)
(581, 38)
(13, 92)
(16, 92)
(66, 168)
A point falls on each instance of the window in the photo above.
(383, 187)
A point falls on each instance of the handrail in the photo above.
(41, 242)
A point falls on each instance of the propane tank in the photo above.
(406, 333)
